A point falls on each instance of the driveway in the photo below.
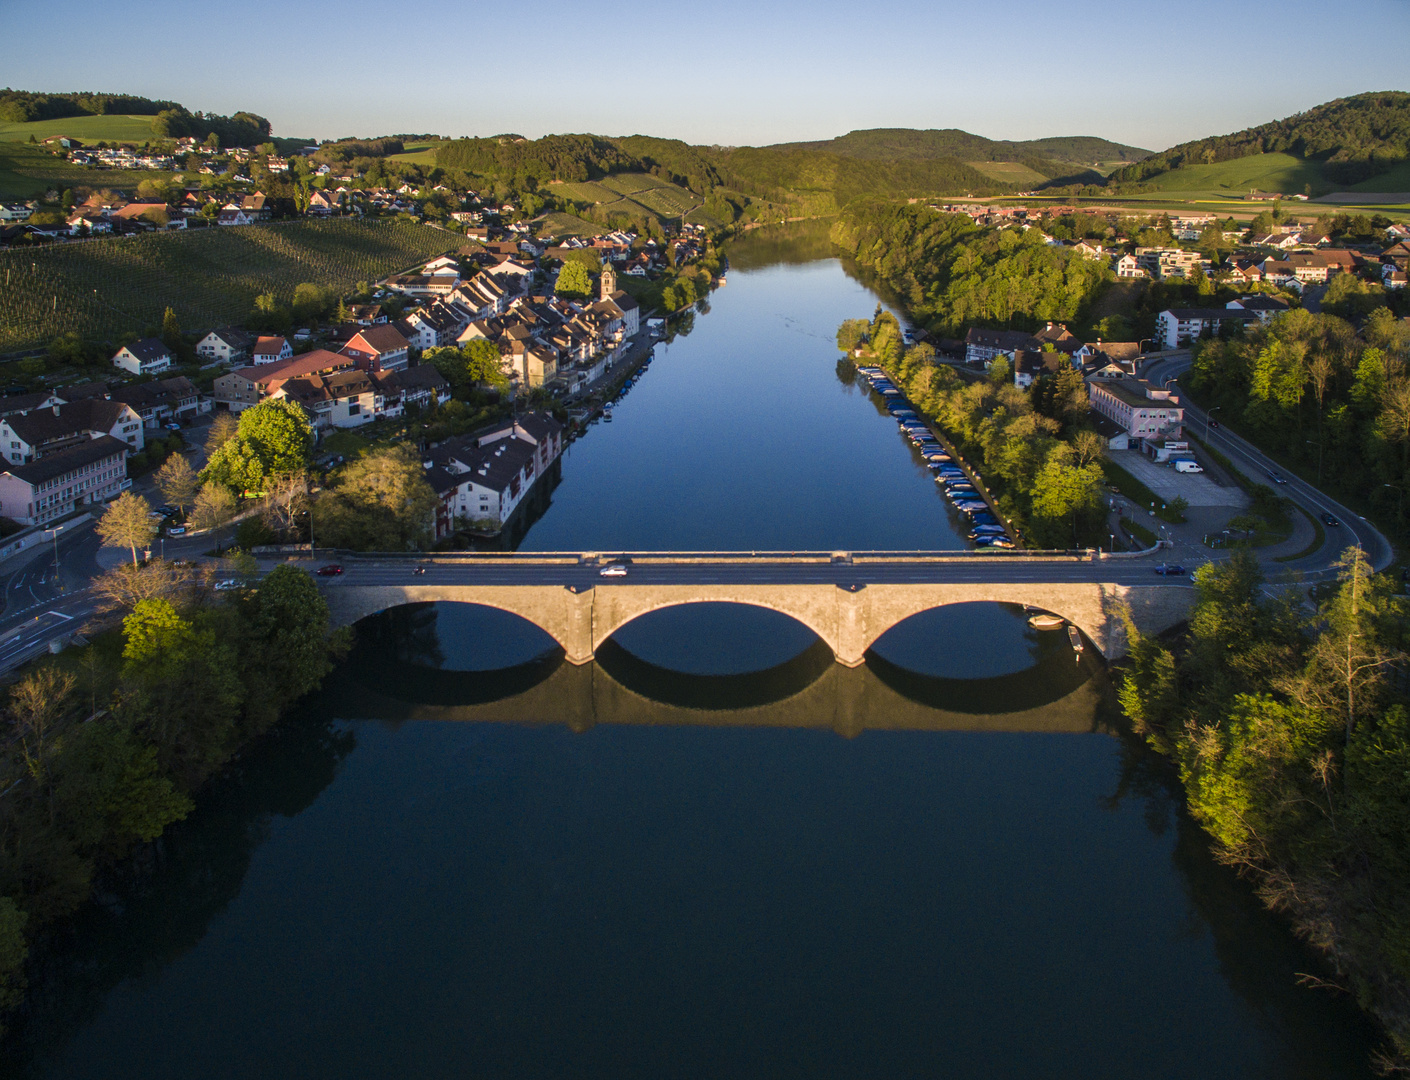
(1196, 488)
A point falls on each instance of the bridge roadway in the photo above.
(848, 600)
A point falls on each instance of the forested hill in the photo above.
(170, 120)
(1356, 138)
(899, 144)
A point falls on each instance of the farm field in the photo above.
(209, 277)
(87, 129)
(422, 153)
(1264, 172)
(558, 223)
(639, 194)
(27, 171)
(1008, 172)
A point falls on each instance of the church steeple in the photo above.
(608, 283)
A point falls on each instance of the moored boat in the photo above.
(1046, 621)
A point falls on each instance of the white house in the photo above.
(226, 345)
(271, 350)
(146, 357)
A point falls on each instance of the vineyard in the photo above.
(209, 277)
(640, 195)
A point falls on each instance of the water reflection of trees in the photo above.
(1319, 1033)
(790, 245)
(152, 910)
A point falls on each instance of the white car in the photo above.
(226, 585)
(615, 569)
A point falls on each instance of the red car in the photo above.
(331, 570)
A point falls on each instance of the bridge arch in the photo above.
(848, 620)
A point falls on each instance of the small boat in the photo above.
(1046, 621)
(607, 416)
(1075, 638)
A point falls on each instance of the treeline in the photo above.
(1035, 449)
(529, 163)
(895, 144)
(1293, 746)
(108, 743)
(950, 273)
(242, 129)
(789, 175)
(1358, 137)
(1312, 390)
(22, 106)
(348, 149)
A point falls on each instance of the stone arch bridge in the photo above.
(848, 617)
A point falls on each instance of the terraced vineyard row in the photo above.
(210, 277)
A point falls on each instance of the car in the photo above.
(1276, 478)
(615, 569)
(226, 585)
(331, 570)
(1170, 570)
(1327, 519)
(1214, 423)
(176, 530)
(166, 510)
(173, 427)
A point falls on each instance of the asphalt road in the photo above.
(1260, 468)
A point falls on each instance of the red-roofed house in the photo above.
(378, 348)
(270, 350)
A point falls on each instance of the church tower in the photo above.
(608, 283)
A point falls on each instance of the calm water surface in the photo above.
(714, 852)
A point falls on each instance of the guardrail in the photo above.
(594, 558)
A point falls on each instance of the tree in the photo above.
(36, 703)
(286, 497)
(214, 507)
(286, 651)
(484, 364)
(273, 438)
(1064, 489)
(574, 282)
(177, 481)
(379, 502)
(123, 587)
(128, 523)
(13, 950)
(1000, 371)
(851, 334)
(171, 329)
(223, 429)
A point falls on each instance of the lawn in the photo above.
(423, 154)
(209, 277)
(1262, 172)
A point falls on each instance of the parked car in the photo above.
(226, 585)
(176, 530)
(1168, 570)
(615, 569)
(173, 427)
(1327, 519)
(331, 570)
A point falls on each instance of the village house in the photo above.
(234, 215)
(270, 350)
(481, 480)
(982, 347)
(58, 484)
(227, 345)
(162, 400)
(238, 390)
(1180, 326)
(146, 357)
(1259, 304)
(378, 348)
(32, 435)
(1162, 262)
(1126, 266)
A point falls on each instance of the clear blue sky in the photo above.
(1145, 72)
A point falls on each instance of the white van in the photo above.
(1186, 465)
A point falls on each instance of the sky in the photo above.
(1148, 73)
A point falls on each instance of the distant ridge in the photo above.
(902, 144)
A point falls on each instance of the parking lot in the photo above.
(1198, 489)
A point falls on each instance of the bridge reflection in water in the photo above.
(396, 673)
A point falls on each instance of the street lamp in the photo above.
(1207, 415)
(56, 530)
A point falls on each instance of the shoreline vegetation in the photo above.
(115, 738)
(1289, 729)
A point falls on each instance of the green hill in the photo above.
(1349, 142)
(210, 277)
(899, 144)
(123, 127)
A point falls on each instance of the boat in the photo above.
(607, 416)
(1075, 638)
(1046, 621)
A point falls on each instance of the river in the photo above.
(713, 852)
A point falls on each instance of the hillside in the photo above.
(899, 144)
(210, 277)
(1344, 143)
